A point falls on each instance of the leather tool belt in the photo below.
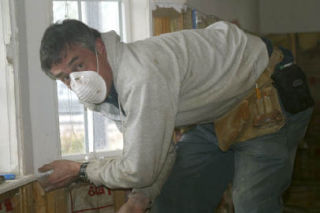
(259, 113)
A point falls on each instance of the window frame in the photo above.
(9, 110)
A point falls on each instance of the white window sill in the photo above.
(93, 156)
(9, 185)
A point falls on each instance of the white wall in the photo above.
(288, 16)
(244, 12)
(265, 16)
(24, 120)
(38, 101)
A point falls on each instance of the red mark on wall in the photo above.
(8, 205)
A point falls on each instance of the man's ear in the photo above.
(101, 49)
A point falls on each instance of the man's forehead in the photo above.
(61, 58)
(61, 63)
(67, 53)
(68, 50)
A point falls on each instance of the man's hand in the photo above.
(63, 173)
(137, 203)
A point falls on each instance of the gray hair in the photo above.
(59, 37)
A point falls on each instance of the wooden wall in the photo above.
(31, 198)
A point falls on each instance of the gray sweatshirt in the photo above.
(176, 79)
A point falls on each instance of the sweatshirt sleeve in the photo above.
(154, 190)
(148, 127)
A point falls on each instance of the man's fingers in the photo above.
(45, 168)
(63, 172)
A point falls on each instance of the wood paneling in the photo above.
(31, 198)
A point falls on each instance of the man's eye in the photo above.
(66, 78)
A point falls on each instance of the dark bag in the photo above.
(293, 89)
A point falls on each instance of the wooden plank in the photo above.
(61, 204)
(15, 200)
(51, 202)
(23, 200)
(180, 21)
(39, 198)
(161, 25)
(29, 201)
(293, 45)
(119, 198)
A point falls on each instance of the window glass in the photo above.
(71, 122)
(65, 9)
(102, 15)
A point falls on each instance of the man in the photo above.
(184, 79)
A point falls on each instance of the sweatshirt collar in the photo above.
(114, 48)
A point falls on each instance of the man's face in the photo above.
(77, 58)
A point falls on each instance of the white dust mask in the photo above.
(89, 86)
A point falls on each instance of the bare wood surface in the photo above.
(119, 198)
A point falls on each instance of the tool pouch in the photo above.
(293, 88)
(255, 115)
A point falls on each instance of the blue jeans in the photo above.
(264, 165)
(260, 170)
(199, 176)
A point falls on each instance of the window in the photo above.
(8, 136)
(84, 133)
